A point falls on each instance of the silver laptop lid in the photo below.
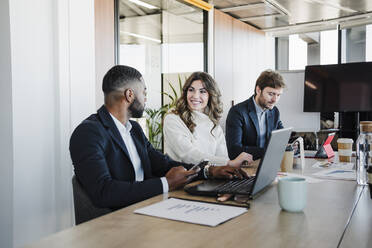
(270, 163)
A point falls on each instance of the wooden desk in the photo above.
(264, 225)
(359, 232)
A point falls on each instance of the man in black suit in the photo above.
(114, 161)
(249, 124)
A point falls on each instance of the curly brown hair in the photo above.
(214, 106)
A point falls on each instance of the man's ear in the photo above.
(129, 95)
(258, 90)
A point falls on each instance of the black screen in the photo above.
(338, 88)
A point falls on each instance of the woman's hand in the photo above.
(238, 161)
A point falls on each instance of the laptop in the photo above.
(265, 175)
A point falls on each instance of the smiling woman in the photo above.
(197, 96)
(191, 131)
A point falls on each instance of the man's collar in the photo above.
(127, 127)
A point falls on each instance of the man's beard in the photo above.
(263, 104)
(136, 109)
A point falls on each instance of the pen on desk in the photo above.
(247, 204)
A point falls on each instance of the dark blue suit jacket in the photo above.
(242, 129)
(103, 166)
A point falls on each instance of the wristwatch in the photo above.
(206, 171)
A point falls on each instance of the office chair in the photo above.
(84, 208)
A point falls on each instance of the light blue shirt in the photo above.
(261, 116)
(133, 153)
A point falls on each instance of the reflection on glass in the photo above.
(354, 44)
(297, 53)
(328, 47)
(300, 50)
(162, 39)
(369, 42)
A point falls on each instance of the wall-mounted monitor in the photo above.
(338, 88)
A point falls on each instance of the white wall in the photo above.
(33, 119)
(223, 59)
(48, 88)
(241, 53)
(82, 60)
(6, 127)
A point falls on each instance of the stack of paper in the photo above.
(191, 211)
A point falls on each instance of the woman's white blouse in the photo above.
(182, 145)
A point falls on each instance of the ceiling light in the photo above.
(143, 4)
(140, 36)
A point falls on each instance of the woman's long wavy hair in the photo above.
(213, 108)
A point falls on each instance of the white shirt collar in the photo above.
(259, 110)
(127, 127)
(133, 153)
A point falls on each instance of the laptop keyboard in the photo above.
(242, 186)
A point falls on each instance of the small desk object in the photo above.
(326, 151)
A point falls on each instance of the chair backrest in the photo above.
(84, 208)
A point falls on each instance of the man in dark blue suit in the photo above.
(249, 124)
(114, 161)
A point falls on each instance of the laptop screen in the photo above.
(270, 163)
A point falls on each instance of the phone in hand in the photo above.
(196, 168)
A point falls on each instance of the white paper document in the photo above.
(191, 211)
(339, 165)
(337, 173)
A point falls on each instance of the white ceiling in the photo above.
(274, 16)
(271, 14)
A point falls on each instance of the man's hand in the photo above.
(178, 177)
(229, 172)
(238, 161)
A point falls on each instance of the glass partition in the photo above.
(164, 40)
(161, 39)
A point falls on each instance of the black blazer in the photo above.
(242, 129)
(103, 166)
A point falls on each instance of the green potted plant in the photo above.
(154, 117)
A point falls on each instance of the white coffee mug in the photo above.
(292, 193)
